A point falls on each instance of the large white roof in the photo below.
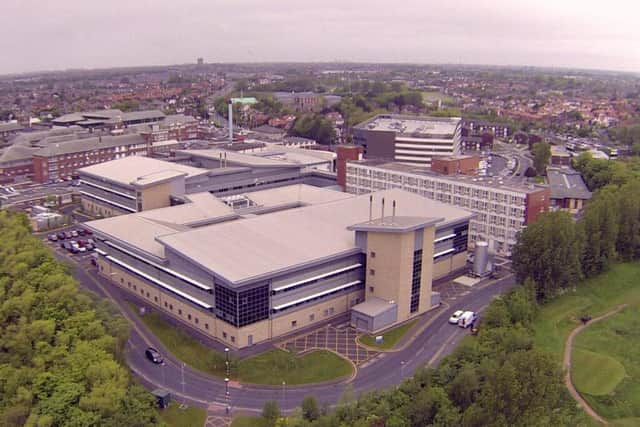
(243, 250)
(140, 170)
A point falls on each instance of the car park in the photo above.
(455, 317)
(153, 355)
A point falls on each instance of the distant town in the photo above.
(324, 229)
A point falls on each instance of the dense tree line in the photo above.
(495, 379)
(314, 126)
(60, 352)
(555, 252)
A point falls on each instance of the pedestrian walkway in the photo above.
(340, 339)
(568, 350)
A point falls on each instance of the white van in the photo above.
(467, 319)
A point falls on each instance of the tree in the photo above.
(310, 409)
(599, 226)
(530, 172)
(314, 126)
(271, 412)
(549, 252)
(60, 355)
(541, 155)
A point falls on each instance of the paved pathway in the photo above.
(568, 349)
(340, 339)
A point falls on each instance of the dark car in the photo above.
(88, 232)
(61, 235)
(81, 232)
(62, 244)
(66, 245)
(153, 355)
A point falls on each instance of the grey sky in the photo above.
(48, 34)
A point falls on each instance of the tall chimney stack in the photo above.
(393, 212)
(230, 122)
(382, 217)
(370, 208)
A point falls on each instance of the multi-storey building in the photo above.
(501, 209)
(412, 140)
(135, 184)
(17, 161)
(289, 258)
(62, 160)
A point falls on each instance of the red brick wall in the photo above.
(446, 166)
(537, 203)
(40, 169)
(345, 153)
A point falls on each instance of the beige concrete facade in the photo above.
(390, 269)
(208, 324)
(156, 196)
(101, 209)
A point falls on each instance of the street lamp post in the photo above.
(226, 356)
(226, 386)
(284, 392)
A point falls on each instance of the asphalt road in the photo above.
(435, 341)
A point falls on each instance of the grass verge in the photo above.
(247, 421)
(391, 337)
(275, 366)
(191, 416)
(182, 345)
(269, 368)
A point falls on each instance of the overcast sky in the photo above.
(48, 35)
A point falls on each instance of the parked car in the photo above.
(467, 319)
(53, 237)
(88, 232)
(153, 355)
(74, 233)
(68, 235)
(81, 232)
(89, 246)
(67, 246)
(61, 235)
(455, 317)
(62, 244)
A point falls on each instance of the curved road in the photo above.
(388, 369)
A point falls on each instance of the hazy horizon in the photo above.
(71, 34)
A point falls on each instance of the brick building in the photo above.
(62, 160)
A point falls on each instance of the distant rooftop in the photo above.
(567, 184)
(138, 170)
(235, 158)
(412, 125)
(245, 100)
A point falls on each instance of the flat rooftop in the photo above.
(409, 125)
(494, 182)
(236, 159)
(245, 250)
(299, 193)
(141, 229)
(140, 170)
(567, 184)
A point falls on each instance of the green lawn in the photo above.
(616, 339)
(191, 416)
(613, 387)
(271, 367)
(275, 366)
(595, 373)
(247, 421)
(391, 337)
